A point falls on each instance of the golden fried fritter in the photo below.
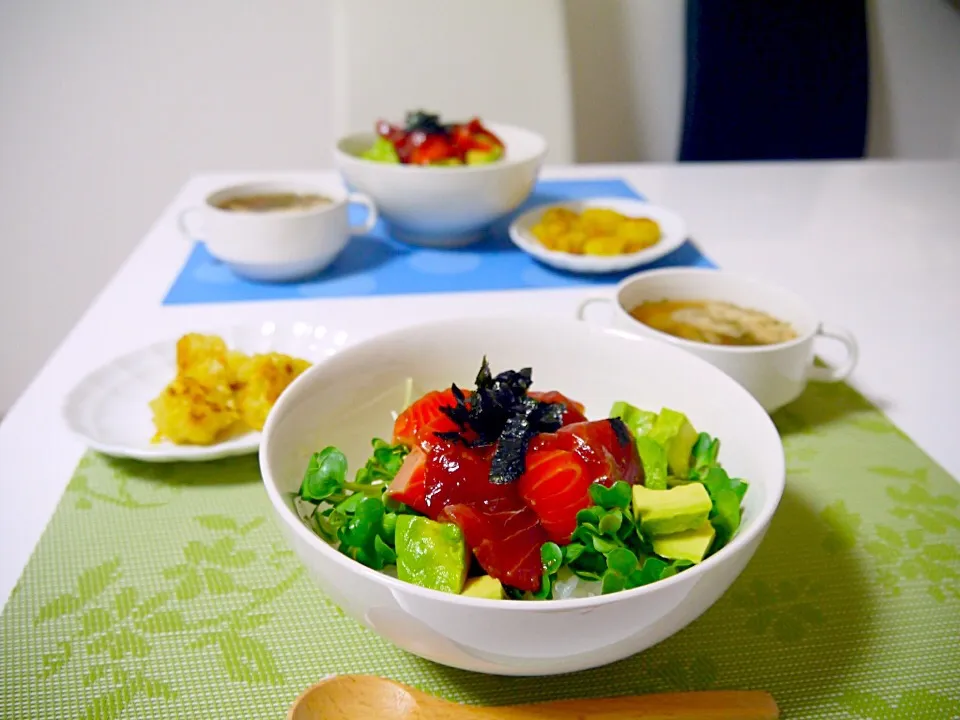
(190, 413)
(218, 391)
(260, 380)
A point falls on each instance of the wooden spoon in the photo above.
(363, 697)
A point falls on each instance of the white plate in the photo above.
(109, 408)
(672, 228)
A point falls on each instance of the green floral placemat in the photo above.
(166, 591)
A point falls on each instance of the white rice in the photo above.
(568, 585)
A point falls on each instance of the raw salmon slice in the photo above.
(407, 485)
(421, 413)
(561, 467)
(573, 411)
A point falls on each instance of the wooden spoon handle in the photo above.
(712, 705)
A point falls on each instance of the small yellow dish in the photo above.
(595, 231)
(598, 235)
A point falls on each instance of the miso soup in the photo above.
(713, 322)
(272, 202)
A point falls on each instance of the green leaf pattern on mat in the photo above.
(843, 525)
(164, 591)
(98, 479)
(117, 633)
(700, 673)
(786, 609)
(910, 704)
(920, 551)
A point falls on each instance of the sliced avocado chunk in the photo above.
(482, 157)
(382, 150)
(654, 460)
(673, 481)
(639, 421)
(484, 587)
(691, 545)
(663, 512)
(431, 554)
(675, 433)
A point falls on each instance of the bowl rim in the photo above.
(521, 236)
(739, 542)
(728, 276)
(344, 157)
(268, 184)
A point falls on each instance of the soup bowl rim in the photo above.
(266, 187)
(801, 338)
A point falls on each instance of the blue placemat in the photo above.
(376, 264)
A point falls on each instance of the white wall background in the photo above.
(106, 107)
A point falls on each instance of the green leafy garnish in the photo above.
(325, 475)
(384, 464)
(607, 545)
(725, 493)
(552, 558)
(613, 497)
(355, 516)
(703, 456)
(654, 460)
(639, 421)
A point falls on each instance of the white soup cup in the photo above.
(774, 374)
(277, 245)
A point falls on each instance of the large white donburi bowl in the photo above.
(346, 400)
(444, 206)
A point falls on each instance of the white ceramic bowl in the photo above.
(280, 245)
(109, 408)
(444, 206)
(346, 400)
(774, 374)
(672, 228)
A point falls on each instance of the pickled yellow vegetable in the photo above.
(595, 231)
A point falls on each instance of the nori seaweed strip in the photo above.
(621, 430)
(510, 457)
(500, 411)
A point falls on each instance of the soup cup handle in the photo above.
(836, 374)
(582, 307)
(372, 216)
(185, 223)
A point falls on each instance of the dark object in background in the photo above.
(780, 80)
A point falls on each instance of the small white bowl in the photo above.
(109, 408)
(279, 245)
(774, 374)
(445, 206)
(672, 228)
(347, 400)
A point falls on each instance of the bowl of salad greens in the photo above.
(521, 496)
(441, 182)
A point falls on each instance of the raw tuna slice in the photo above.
(505, 534)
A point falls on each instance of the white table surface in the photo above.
(874, 245)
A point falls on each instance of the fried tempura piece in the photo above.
(188, 412)
(204, 358)
(259, 382)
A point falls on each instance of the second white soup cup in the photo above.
(774, 374)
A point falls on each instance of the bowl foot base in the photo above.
(437, 240)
